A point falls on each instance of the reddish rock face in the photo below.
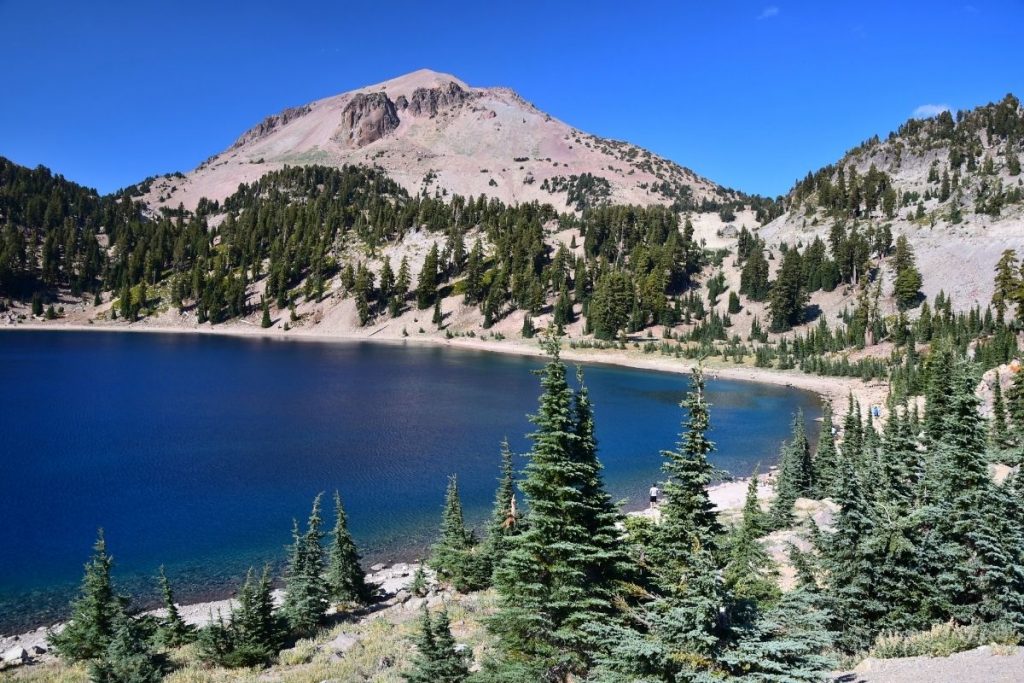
(366, 118)
(429, 101)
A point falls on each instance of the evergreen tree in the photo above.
(796, 473)
(437, 660)
(452, 556)
(907, 283)
(826, 460)
(346, 582)
(999, 433)
(1007, 282)
(553, 586)
(688, 517)
(253, 635)
(1015, 406)
(265, 322)
(173, 631)
(426, 287)
(94, 614)
(504, 520)
(306, 595)
(788, 296)
(128, 657)
(750, 574)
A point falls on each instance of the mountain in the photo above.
(952, 185)
(433, 133)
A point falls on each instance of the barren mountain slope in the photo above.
(432, 132)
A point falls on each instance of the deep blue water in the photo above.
(196, 452)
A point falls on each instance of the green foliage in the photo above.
(129, 657)
(437, 660)
(453, 556)
(306, 590)
(346, 581)
(796, 473)
(254, 634)
(788, 295)
(94, 614)
(688, 516)
(558, 579)
(173, 631)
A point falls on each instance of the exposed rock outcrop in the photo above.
(366, 118)
(429, 101)
(270, 124)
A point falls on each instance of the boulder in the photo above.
(378, 567)
(15, 655)
(342, 643)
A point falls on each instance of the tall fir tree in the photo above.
(346, 581)
(796, 473)
(306, 595)
(95, 613)
(826, 459)
(452, 556)
(554, 586)
(688, 517)
(173, 631)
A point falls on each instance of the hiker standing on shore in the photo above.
(654, 495)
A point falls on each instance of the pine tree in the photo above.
(426, 287)
(796, 473)
(254, 634)
(346, 582)
(94, 614)
(907, 282)
(452, 556)
(504, 520)
(750, 573)
(128, 657)
(437, 660)
(688, 517)
(265, 322)
(556, 584)
(826, 460)
(998, 434)
(306, 595)
(788, 296)
(1015, 405)
(438, 317)
(173, 631)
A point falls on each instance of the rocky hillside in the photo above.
(435, 134)
(952, 184)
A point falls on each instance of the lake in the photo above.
(197, 451)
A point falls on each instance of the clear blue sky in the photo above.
(752, 95)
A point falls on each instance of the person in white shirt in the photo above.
(654, 495)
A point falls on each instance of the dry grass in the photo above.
(383, 652)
